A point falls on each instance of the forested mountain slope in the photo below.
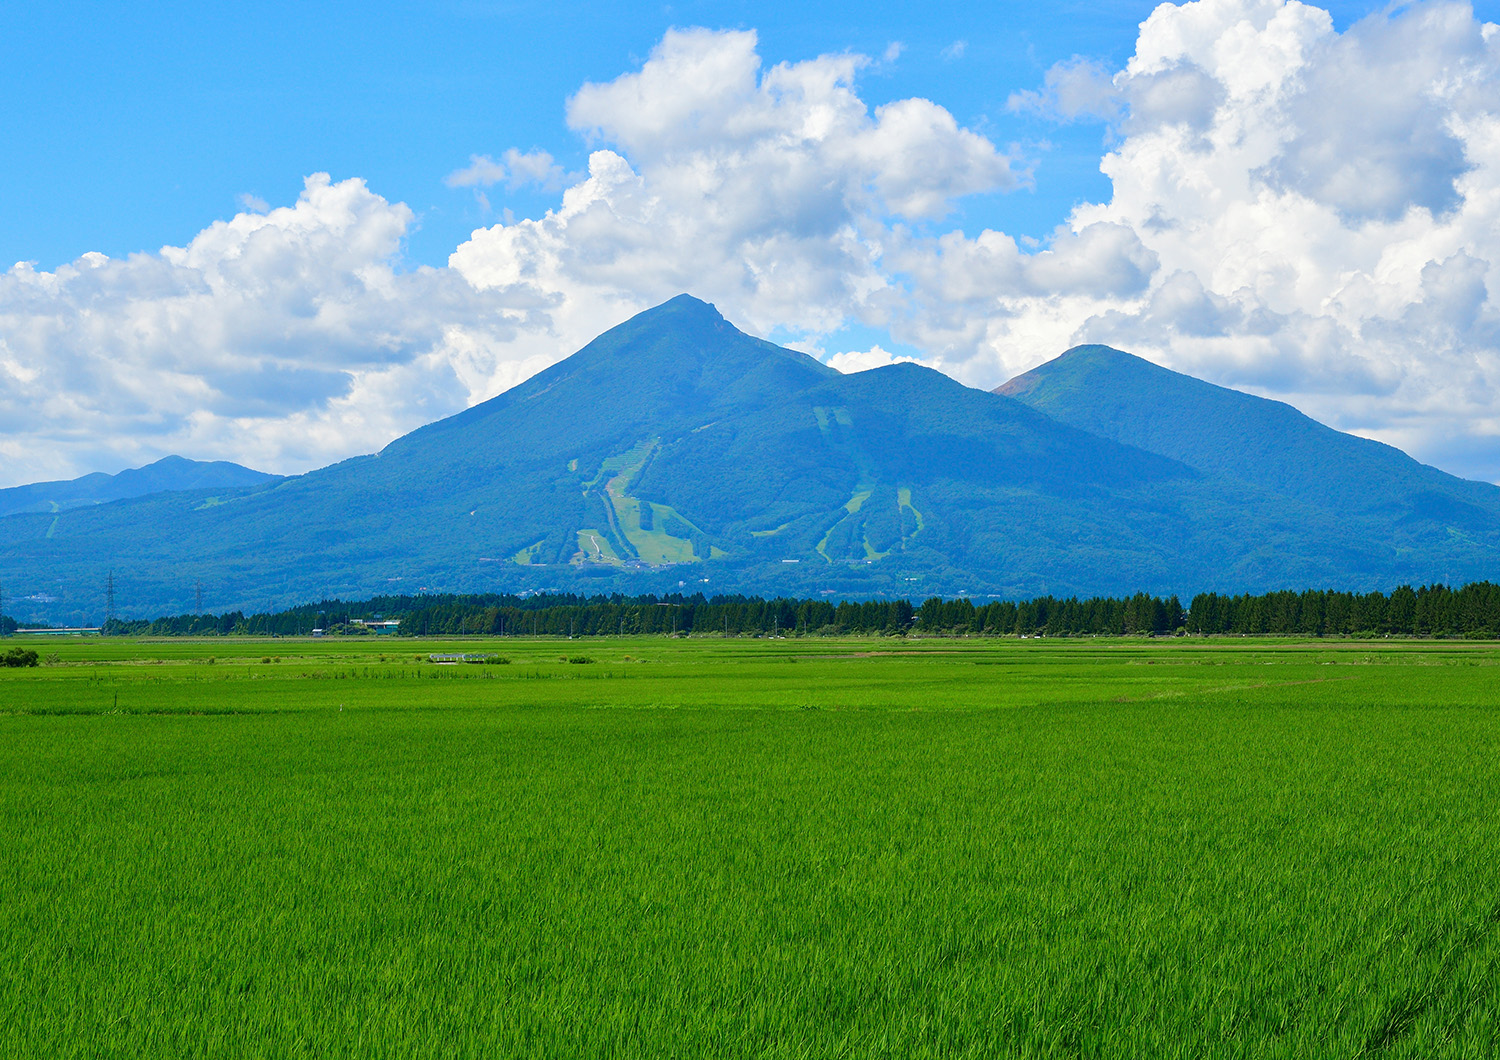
(676, 452)
(1255, 440)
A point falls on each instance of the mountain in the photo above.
(675, 453)
(1421, 511)
(168, 473)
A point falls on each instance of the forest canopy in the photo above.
(1434, 610)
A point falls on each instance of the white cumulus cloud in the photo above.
(292, 337)
(1303, 213)
(515, 168)
(864, 360)
(1079, 87)
(772, 192)
(1322, 207)
(1310, 214)
(481, 172)
(283, 339)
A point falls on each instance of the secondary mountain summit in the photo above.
(676, 453)
(168, 473)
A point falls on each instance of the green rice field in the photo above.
(751, 848)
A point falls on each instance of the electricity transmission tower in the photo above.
(109, 601)
(198, 597)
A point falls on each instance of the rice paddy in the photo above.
(751, 848)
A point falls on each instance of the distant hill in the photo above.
(168, 473)
(1422, 512)
(675, 452)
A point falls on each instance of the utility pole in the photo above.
(109, 600)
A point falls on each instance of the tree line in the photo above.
(1433, 610)
(731, 615)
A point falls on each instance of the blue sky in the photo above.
(144, 122)
(284, 234)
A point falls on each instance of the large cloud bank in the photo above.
(1322, 210)
(284, 339)
(1307, 214)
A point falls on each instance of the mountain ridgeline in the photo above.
(675, 453)
(168, 473)
(1267, 444)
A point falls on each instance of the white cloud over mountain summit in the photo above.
(1325, 222)
(1308, 214)
(772, 193)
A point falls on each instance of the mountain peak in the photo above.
(675, 450)
(1256, 440)
(1072, 363)
(1098, 353)
(688, 302)
(675, 362)
(685, 341)
(164, 475)
(680, 310)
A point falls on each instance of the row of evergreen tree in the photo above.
(1434, 610)
(732, 615)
